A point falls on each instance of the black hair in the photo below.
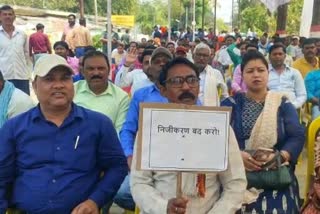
(251, 45)
(95, 53)
(177, 61)
(72, 15)
(89, 48)
(142, 45)
(278, 40)
(275, 46)
(82, 21)
(309, 41)
(39, 26)
(1, 77)
(150, 47)
(229, 36)
(170, 43)
(134, 43)
(253, 55)
(6, 7)
(240, 44)
(61, 43)
(146, 52)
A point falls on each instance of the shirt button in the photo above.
(58, 148)
(53, 180)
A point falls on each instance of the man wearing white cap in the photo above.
(294, 50)
(53, 155)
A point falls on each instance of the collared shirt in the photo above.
(14, 55)
(225, 190)
(54, 169)
(118, 56)
(304, 67)
(312, 81)
(290, 82)
(219, 81)
(136, 78)
(223, 56)
(150, 94)
(113, 102)
(39, 43)
(238, 84)
(79, 37)
(20, 102)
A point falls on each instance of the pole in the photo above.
(81, 9)
(215, 17)
(96, 12)
(282, 20)
(202, 15)
(232, 14)
(315, 25)
(194, 20)
(169, 20)
(109, 33)
(186, 24)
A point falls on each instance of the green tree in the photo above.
(70, 5)
(294, 16)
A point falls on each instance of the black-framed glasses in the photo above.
(177, 82)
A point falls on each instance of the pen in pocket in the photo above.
(77, 141)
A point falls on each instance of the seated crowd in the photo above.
(76, 152)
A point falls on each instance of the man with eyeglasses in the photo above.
(155, 192)
(211, 80)
(159, 57)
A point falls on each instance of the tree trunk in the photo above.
(315, 25)
(282, 19)
(81, 5)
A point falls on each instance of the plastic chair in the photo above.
(312, 130)
(129, 212)
(137, 211)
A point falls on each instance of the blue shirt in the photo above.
(54, 169)
(130, 127)
(77, 77)
(290, 81)
(312, 82)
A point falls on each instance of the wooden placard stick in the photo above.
(179, 184)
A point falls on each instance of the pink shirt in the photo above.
(237, 82)
(74, 64)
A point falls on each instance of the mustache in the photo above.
(185, 95)
(96, 77)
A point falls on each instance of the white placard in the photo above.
(180, 138)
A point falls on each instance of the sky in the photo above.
(224, 10)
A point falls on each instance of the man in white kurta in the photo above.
(155, 192)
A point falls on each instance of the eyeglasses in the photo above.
(177, 82)
(201, 55)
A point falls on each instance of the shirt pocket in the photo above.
(80, 154)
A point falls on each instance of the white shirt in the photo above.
(136, 79)
(152, 190)
(223, 57)
(14, 55)
(20, 102)
(289, 81)
(220, 83)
